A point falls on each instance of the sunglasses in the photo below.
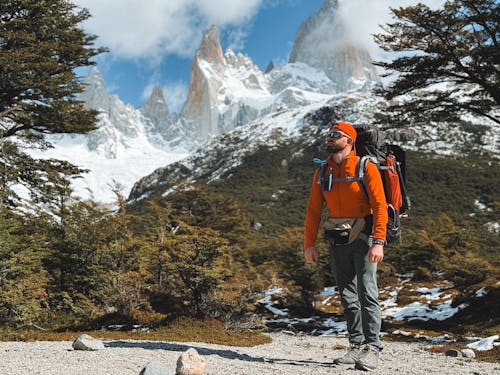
(336, 134)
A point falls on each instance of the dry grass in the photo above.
(443, 348)
(181, 330)
(492, 355)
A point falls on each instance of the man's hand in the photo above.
(376, 254)
(311, 255)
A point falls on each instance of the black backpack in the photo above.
(391, 163)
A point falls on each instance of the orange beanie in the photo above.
(345, 127)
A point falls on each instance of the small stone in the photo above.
(154, 368)
(453, 353)
(86, 342)
(468, 353)
(190, 363)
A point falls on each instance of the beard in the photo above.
(334, 148)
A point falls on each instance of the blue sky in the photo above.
(152, 42)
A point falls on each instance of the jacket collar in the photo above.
(350, 156)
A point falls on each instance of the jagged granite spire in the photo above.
(210, 49)
(269, 67)
(202, 92)
(156, 108)
(95, 94)
(322, 41)
(218, 84)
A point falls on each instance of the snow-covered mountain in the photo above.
(229, 96)
(128, 143)
(322, 42)
(228, 90)
(302, 126)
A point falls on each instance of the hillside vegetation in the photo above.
(448, 234)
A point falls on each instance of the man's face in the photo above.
(336, 141)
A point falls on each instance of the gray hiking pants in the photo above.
(357, 282)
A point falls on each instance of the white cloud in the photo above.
(154, 28)
(363, 18)
(175, 95)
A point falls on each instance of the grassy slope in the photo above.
(443, 191)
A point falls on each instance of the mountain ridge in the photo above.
(228, 91)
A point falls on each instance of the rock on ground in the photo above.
(86, 342)
(285, 355)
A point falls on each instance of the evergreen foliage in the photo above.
(202, 206)
(448, 60)
(205, 247)
(41, 45)
(23, 279)
(158, 228)
(200, 260)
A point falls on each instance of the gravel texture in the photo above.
(285, 355)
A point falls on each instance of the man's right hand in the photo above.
(311, 255)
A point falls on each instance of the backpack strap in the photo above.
(362, 169)
(322, 167)
(326, 183)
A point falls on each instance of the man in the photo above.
(357, 224)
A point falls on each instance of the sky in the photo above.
(152, 42)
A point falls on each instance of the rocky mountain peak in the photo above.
(322, 41)
(330, 4)
(203, 87)
(157, 94)
(155, 107)
(210, 49)
(95, 94)
(157, 117)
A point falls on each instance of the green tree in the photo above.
(23, 281)
(123, 281)
(74, 234)
(203, 206)
(158, 227)
(41, 45)
(199, 260)
(448, 62)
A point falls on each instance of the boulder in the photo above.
(453, 353)
(86, 342)
(468, 353)
(154, 368)
(190, 363)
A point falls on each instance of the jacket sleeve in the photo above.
(313, 213)
(378, 204)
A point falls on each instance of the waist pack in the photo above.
(342, 231)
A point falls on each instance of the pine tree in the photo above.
(123, 280)
(202, 206)
(159, 227)
(448, 62)
(23, 281)
(198, 260)
(41, 45)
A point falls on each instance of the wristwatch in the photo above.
(378, 242)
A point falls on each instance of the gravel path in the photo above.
(285, 355)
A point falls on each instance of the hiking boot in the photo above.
(368, 358)
(350, 357)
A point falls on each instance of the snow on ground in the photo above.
(484, 344)
(433, 306)
(426, 309)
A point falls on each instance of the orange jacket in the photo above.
(347, 199)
